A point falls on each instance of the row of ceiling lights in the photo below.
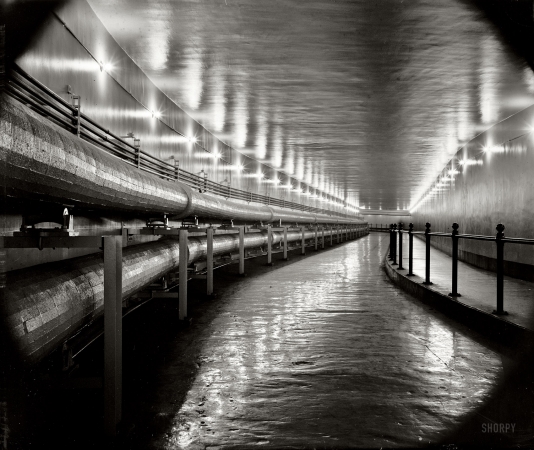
(108, 67)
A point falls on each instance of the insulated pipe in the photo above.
(45, 304)
(45, 162)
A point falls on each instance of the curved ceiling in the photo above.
(367, 100)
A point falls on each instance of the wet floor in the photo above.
(323, 353)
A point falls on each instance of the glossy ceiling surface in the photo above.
(367, 100)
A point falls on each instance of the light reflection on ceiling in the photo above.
(368, 100)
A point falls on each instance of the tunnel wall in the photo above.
(500, 189)
(58, 57)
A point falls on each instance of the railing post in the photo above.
(401, 225)
(427, 254)
(112, 333)
(137, 145)
(316, 237)
(303, 241)
(500, 271)
(454, 237)
(390, 241)
(322, 235)
(394, 236)
(77, 104)
(209, 273)
(182, 273)
(410, 250)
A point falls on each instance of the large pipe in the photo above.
(45, 304)
(45, 162)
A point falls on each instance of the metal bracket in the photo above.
(66, 229)
(158, 222)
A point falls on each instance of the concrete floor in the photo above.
(325, 353)
(322, 351)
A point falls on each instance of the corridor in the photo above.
(327, 353)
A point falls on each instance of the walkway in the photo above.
(478, 287)
(324, 352)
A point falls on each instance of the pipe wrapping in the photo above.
(45, 304)
(43, 161)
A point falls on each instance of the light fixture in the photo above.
(216, 154)
(156, 114)
(193, 139)
(105, 67)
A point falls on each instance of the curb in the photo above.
(493, 327)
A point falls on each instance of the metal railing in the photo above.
(499, 239)
(47, 103)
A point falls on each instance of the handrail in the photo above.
(499, 240)
(47, 103)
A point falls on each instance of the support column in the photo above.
(269, 246)
(322, 234)
(242, 251)
(112, 333)
(303, 241)
(209, 268)
(338, 235)
(316, 238)
(182, 274)
(285, 244)
(331, 236)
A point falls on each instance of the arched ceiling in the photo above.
(365, 99)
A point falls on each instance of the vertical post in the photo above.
(316, 237)
(112, 333)
(401, 226)
(183, 262)
(209, 273)
(303, 241)
(500, 271)
(322, 235)
(331, 236)
(410, 250)
(338, 234)
(137, 145)
(394, 236)
(285, 244)
(454, 237)
(269, 245)
(427, 254)
(242, 251)
(77, 104)
(390, 241)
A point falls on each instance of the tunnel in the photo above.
(237, 224)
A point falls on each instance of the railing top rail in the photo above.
(518, 241)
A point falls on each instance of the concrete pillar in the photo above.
(182, 274)
(112, 333)
(241, 250)
(285, 244)
(269, 246)
(209, 268)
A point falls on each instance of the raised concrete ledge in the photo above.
(496, 328)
